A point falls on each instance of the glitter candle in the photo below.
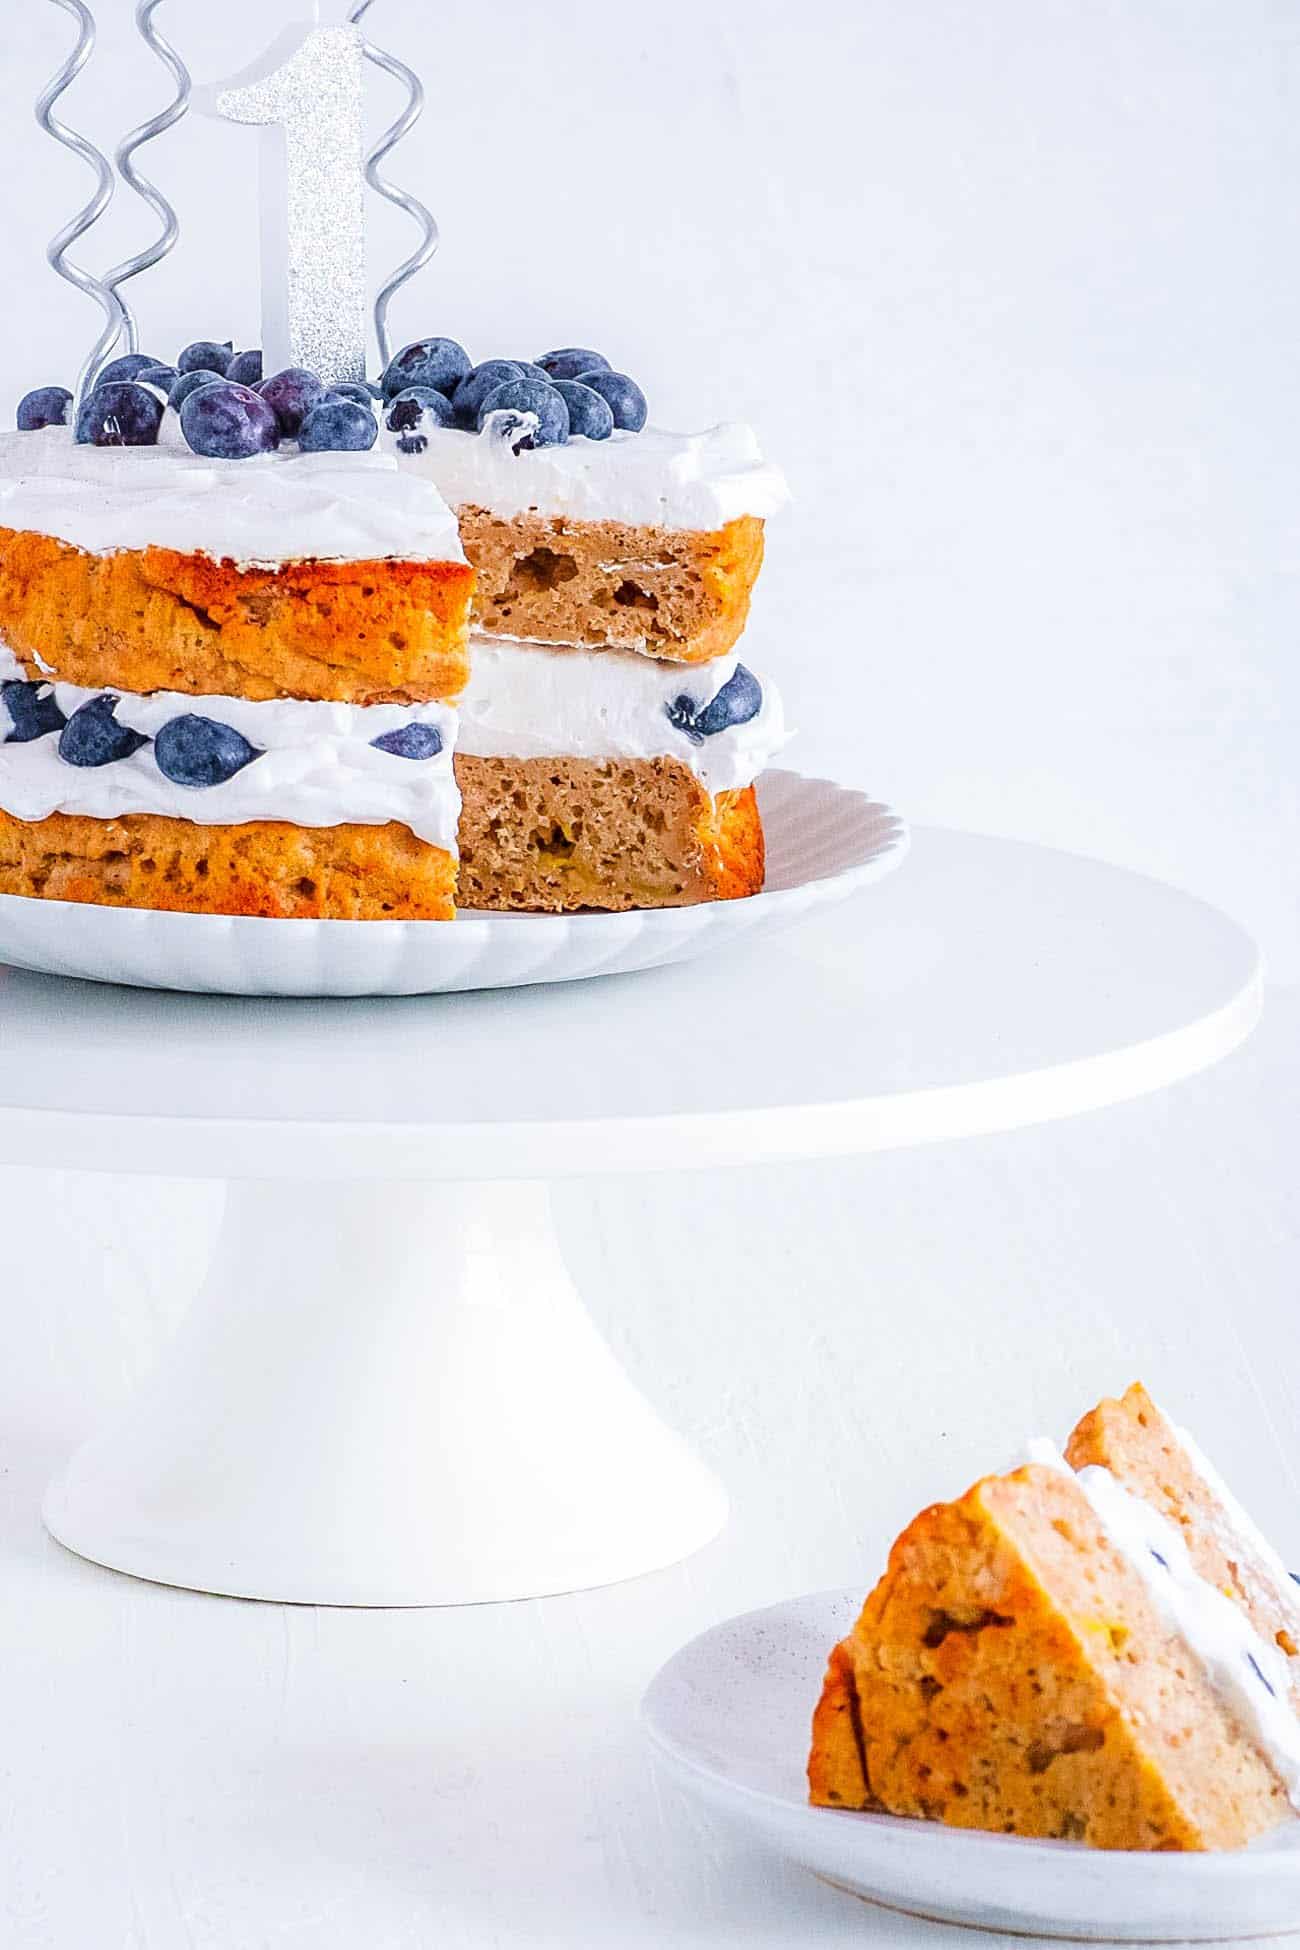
(305, 95)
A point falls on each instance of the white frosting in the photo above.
(667, 480)
(1249, 1674)
(317, 767)
(533, 702)
(258, 513)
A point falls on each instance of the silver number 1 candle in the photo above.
(306, 95)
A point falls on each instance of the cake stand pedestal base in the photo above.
(386, 1394)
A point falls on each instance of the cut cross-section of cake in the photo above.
(1103, 1653)
(609, 780)
(646, 541)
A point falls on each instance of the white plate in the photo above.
(823, 843)
(730, 1714)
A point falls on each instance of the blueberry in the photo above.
(528, 396)
(356, 389)
(291, 394)
(477, 384)
(338, 426)
(589, 414)
(46, 407)
(417, 408)
(530, 371)
(129, 366)
(93, 736)
(226, 422)
(411, 741)
(571, 361)
(189, 382)
(158, 375)
(245, 368)
(623, 394)
(439, 363)
(739, 700)
(119, 415)
(32, 710)
(207, 354)
(191, 750)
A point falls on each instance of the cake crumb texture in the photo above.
(550, 835)
(155, 620)
(267, 867)
(682, 595)
(1011, 1673)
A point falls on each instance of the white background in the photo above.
(1012, 291)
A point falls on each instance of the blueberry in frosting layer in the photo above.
(225, 760)
(530, 701)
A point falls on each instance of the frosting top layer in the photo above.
(651, 478)
(259, 513)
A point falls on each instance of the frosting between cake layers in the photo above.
(258, 513)
(651, 478)
(1249, 1675)
(317, 766)
(534, 702)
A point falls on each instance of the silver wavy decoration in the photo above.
(118, 322)
(124, 155)
(388, 141)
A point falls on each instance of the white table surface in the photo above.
(183, 1771)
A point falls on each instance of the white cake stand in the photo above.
(389, 1391)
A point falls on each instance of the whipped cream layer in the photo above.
(652, 478)
(258, 513)
(1248, 1673)
(316, 766)
(528, 701)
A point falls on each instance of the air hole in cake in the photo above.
(929, 1686)
(200, 615)
(307, 888)
(1069, 1740)
(542, 568)
(632, 596)
(555, 843)
(944, 1623)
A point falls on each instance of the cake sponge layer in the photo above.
(680, 594)
(558, 834)
(267, 867)
(154, 620)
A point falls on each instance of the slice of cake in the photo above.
(1103, 1653)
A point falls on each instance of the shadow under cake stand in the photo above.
(389, 1391)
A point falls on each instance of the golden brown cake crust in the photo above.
(267, 867)
(154, 620)
(561, 834)
(679, 594)
(1010, 1672)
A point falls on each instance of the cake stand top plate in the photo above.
(990, 984)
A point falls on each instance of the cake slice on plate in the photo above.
(1103, 1653)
